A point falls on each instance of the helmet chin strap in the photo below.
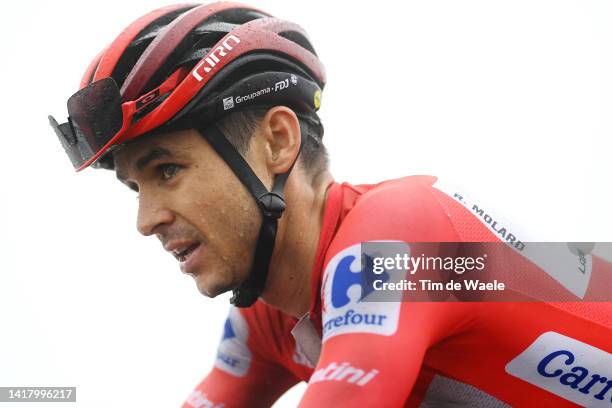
(270, 203)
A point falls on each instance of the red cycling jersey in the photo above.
(416, 354)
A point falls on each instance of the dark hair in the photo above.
(238, 128)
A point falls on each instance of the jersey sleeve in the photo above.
(370, 369)
(246, 373)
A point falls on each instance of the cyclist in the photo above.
(209, 113)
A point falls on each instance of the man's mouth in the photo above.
(182, 249)
(182, 255)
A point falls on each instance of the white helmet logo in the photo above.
(213, 57)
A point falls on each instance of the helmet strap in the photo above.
(270, 203)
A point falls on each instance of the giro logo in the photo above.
(233, 355)
(214, 57)
(568, 368)
(347, 283)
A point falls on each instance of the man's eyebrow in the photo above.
(153, 154)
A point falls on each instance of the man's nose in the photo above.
(152, 217)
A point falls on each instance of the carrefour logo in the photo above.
(345, 277)
(233, 355)
(348, 281)
(568, 368)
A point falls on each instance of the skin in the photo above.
(191, 194)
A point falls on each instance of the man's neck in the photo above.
(288, 286)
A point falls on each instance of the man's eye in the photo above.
(167, 171)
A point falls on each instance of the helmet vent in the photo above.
(299, 39)
(140, 43)
(205, 36)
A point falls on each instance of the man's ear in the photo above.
(280, 128)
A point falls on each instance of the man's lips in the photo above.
(182, 249)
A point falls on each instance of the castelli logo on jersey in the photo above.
(198, 399)
(214, 57)
(343, 372)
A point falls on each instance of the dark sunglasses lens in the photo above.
(96, 115)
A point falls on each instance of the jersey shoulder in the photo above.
(412, 209)
(423, 209)
(386, 219)
(396, 211)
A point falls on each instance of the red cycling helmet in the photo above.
(188, 65)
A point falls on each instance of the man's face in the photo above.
(190, 199)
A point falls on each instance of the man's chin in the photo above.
(213, 290)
